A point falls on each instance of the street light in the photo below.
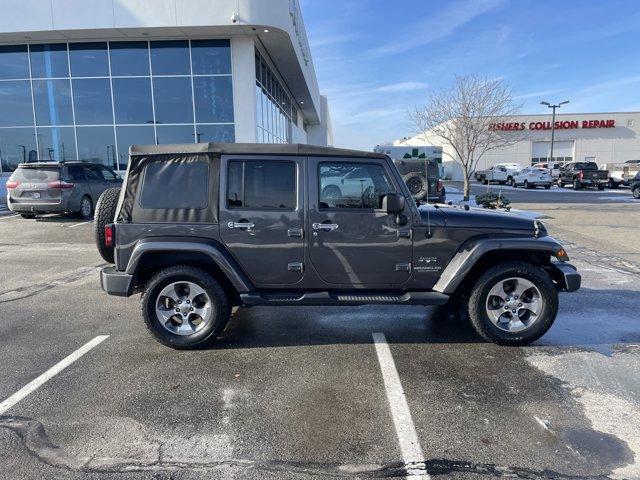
(553, 122)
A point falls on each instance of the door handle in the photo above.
(241, 225)
(327, 227)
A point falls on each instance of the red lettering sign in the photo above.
(559, 125)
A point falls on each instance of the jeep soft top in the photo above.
(200, 228)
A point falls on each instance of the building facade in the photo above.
(599, 137)
(84, 79)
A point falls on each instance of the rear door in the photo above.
(33, 185)
(262, 216)
(353, 240)
(94, 180)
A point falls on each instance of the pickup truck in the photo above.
(621, 173)
(501, 173)
(583, 174)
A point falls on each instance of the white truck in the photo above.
(621, 173)
(501, 173)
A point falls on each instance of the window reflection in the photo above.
(15, 104)
(211, 57)
(52, 102)
(89, 59)
(175, 134)
(56, 144)
(127, 136)
(17, 145)
(97, 144)
(173, 100)
(129, 58)
(170, 58)
(49, 61)
(132, 100)
(92, 101)
(215, 133)
(214, 99)
(14, 62)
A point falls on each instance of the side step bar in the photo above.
(343, 298)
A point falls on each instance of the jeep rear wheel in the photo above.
(636, 192)
(185, 307)
(513, 303)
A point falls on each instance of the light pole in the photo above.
(553, 122)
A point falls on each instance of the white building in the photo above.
(599, 137)
(84, 79)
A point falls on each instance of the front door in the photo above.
(353, 241)
(262, 217)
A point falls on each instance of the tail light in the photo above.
(440, 185)
(12, 184)
(108, 235)
(60, 185)
(581, 175)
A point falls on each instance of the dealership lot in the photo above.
(303, 392)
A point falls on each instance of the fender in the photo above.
(473, 249)
(216, 252)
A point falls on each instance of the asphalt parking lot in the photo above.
(305, 392)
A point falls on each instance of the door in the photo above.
(94, 181)
(262, 217)
(109, 178)
(353, 240)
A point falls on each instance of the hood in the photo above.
(482, 218)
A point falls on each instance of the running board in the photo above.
(343, 298)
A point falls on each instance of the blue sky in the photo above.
(377, 59)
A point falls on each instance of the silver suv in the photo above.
(51, 187)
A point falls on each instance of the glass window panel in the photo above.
(128, 136)
(57, 144)
(14, 62)
(132, 100)
(89, 59)
(216, 133)
(175, 185)
(129, 58)
(170, 58)
(96, 144)
(53, 102)
(264, 185)
(16, 108)
(214, 99)
(175, 134)
(173, 100)
(49, 60)
(211, 57)
(17, 145)
(353, 185)
(92, 101)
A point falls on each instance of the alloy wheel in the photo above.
(514, 304)
(183, 308)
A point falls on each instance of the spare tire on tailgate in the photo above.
(416, 184)
(104, 215)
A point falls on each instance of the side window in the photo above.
(75, 173)
(171, 185)
(108, 174)
(258, 184)
(353, 185)
(92, 173)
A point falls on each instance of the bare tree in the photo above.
(463, 121)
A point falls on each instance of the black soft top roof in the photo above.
(250, 149)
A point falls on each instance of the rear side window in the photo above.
(36, 174)
(75, 173)
(261, 185)
(586, 166)
(175, 185)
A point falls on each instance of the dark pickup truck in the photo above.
(583, 174)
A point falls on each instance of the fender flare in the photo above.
(475, 248)
(216, 252)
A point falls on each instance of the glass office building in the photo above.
(91, 100)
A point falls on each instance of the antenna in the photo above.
(426, 172)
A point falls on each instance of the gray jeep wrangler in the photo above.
(201, 228)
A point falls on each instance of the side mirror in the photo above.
(393, 203)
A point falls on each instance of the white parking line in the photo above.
(405, 429)
(49, 374)
(4, 217)
(81, 223)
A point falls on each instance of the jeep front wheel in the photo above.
(185, 307)
(513, 303)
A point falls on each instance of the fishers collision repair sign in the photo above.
(559, 125)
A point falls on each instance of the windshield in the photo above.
(39, 174)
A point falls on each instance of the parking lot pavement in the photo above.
(304, 392)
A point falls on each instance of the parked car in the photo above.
(532, 177)
(501, 173)
(553, 167)
(635, 186)
(52, 187)
(202, 228)
(415, 171)
(583, 174)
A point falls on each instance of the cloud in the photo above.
(541, 93)
(443, 24)
(402, 87)
(320, 41)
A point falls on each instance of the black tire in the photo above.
(547, 187)
(577, 185)
(477, 302)
(104, 214)
(416, 184)
(28, 216)
(613, 184)
(600, 187)
(526, 185)
(636, 192)
(220, 303)
(85, 213)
